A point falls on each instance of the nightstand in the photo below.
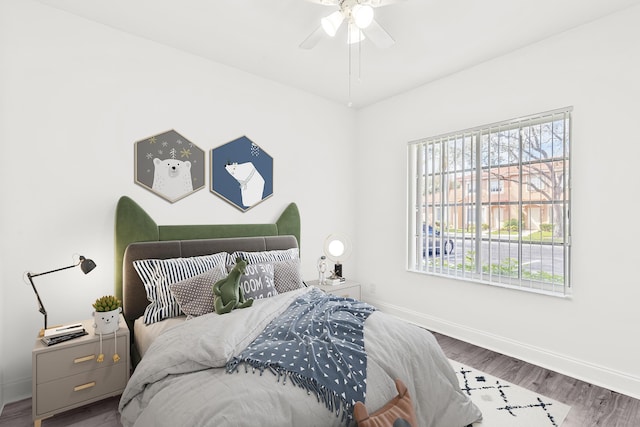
(67, 375)
(348, 288)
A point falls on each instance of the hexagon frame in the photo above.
(171, 150)
(241, 173)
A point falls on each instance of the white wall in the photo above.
(3, 242)
(593, 335)
(77, 95)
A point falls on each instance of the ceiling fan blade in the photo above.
(312, 39)
(378, 35)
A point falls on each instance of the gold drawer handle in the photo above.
(84, 359)
(84, 386)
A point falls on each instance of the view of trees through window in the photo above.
(491, 204)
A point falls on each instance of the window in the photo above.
(492, 204)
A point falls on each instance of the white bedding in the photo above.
(182, 378)
(145, 335)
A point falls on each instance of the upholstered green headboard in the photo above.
(133, 224)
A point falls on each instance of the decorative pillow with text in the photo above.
(257, 282)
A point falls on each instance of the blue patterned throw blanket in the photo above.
(318, 344)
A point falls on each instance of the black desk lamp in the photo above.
(86, 265)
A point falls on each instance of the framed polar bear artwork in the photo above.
(241, 173)
(169, 165)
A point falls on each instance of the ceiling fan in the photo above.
(358, 15)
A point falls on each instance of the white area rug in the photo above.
(507, 405)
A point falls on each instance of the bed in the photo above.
(201, 370)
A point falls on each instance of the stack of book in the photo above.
(63, 333)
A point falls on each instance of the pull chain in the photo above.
(349, 104)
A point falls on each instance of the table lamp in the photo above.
(337, 248)
(86, 265)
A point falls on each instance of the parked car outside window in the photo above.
(428, 243)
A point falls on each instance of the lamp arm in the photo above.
(41, 306)
(52, 271)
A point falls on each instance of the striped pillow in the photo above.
(158, 274)
(265, 256)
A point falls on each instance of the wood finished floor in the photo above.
(591, 406)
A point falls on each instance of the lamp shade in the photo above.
(337, 247)
(331, 23)
(362, 15)
(86, 265)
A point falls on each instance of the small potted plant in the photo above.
(107, 314)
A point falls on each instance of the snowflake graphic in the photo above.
(149, 156)
(152, 140)
(165, 143)
(160, 152)
(179, 141)
(185, 153)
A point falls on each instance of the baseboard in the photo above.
(16, 390)
(601, 376)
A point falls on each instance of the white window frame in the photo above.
(493, 246)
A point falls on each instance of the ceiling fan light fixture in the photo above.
(362, 15)
(331, 23)
(354, 34)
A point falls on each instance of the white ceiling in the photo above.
(434, 38)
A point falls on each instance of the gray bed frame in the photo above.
(134, 296)
(134, 299)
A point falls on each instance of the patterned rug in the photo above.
(507, 405)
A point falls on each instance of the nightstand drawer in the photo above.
(75, 359)
(56, 395)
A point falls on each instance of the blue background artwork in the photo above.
(239, 151)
